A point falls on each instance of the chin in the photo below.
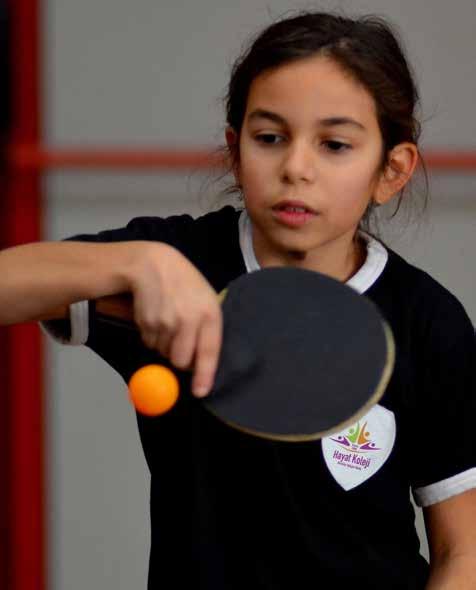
(297, 254)
(296, 251)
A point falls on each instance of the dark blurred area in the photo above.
(4, 128)
(4, 69)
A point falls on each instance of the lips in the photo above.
(295, 206)
(293, 214)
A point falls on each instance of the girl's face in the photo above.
(310, 139)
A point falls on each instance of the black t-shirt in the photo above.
(230, 511)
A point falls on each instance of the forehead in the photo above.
(312, 87)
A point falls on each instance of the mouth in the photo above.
(294, 207)
(293, 213)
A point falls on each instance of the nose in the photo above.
(299, 164)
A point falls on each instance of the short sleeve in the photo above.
(73, 331)
(442, 443)
(207, 241)
(76, 329)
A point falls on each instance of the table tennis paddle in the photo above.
(303, 355)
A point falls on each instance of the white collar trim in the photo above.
(363, 279)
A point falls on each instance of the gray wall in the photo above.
(152, 72)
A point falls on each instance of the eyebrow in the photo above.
(328, 122)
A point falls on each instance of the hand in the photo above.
(177, 311)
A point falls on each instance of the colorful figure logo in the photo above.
(357, 440)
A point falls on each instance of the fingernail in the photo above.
(200, 391)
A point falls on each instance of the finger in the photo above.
(156, 331)
(147, 325)
(150, 338)
(183, 344)
(163, 342)
(207, 353)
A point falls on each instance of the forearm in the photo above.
(42, 278)
(457, 572)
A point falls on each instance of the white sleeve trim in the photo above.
(79, 322)
(446, 488)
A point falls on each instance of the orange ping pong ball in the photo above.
(153, 390)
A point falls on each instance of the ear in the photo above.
(232, 141)
(402, 161)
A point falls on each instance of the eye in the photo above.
(336, 146)
(269, 138)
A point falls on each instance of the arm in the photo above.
(174, 307)
(40, 280)
(451, 530)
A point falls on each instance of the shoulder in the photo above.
(210, 241)
(219, 220)
(433, 387)
(415, 297)
(172, 229)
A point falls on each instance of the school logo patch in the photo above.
(357, 452)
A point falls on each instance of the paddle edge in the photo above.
(375, 398)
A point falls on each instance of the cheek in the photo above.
(355, 184)
(254, 175)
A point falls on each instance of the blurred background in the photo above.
(109, 110)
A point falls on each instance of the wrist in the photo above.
(140, 257)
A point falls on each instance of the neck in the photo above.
(339, 263)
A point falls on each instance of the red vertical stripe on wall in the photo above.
(4, 422)
(23, 224)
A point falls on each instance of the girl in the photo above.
(321, 130)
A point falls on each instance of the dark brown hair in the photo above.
(365, 47)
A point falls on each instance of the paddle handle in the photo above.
(116, 307)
